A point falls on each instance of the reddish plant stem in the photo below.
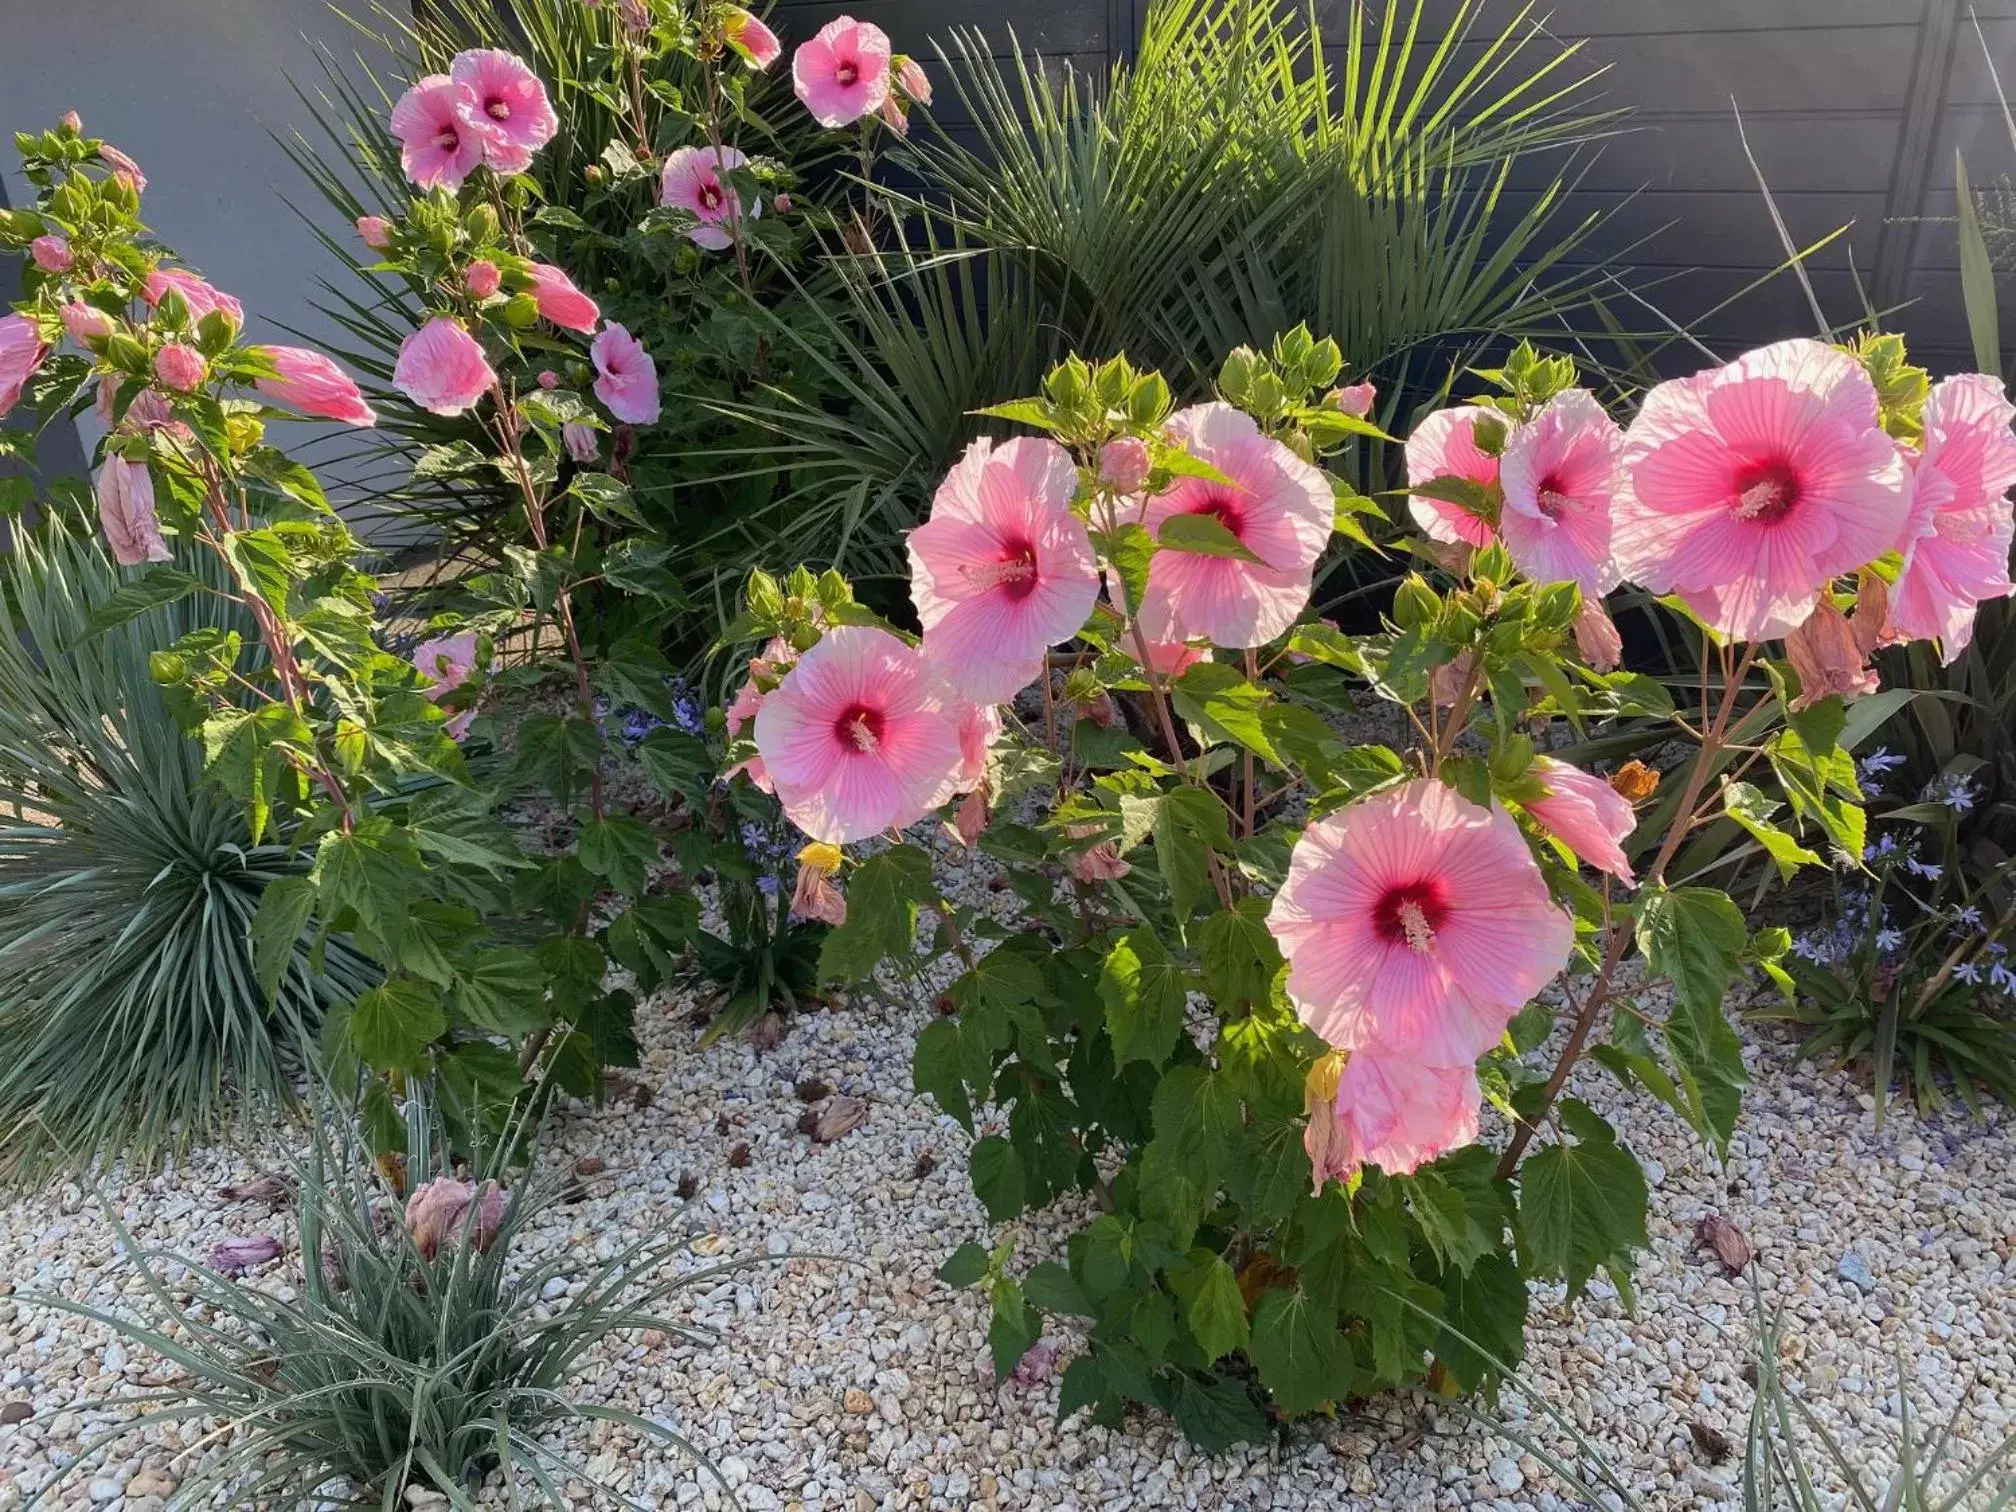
(279, 646)
(1603, 988)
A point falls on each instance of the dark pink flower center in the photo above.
(1766, 491)
(860, 728)
(1013, 572)
(1411, 913)
(1553, 498)
(1226, 510)
(448, 139)
(846, 73)
(498, 109)
(711, 197)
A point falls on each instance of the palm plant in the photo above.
(129, 1010)
(1225, 186)
(415, 1351)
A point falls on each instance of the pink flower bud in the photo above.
(122, 166)
(781, 204)
(582, 443)
(85, 323)
(913, 81)
(548, 379)
(375, 231)
(71, 122)
(1355, 399)
(51, 253)
(1596, 637)
(180, 367)
(1124, 464)
(482, 279)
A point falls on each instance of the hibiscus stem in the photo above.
(1620, 934)
(1250, 802)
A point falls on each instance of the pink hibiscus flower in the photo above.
(1561, 472)
(1392, 1113)
(1585, 814)
(125, 493)
(691, 181)
(626, 379)
(442, 368)
(1753, 484)
(309, 382)
(1956, 543)
(447, 662)
(860, 737)
(200, 296)
(1445, 446)
(559, 301)
(1002, 570)
(1417, 923)
(22, 351)
(508, 105)
(1280, 508)
(842, 74)
(441, 140)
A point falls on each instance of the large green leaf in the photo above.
(1582, 1205)
(1144, 989)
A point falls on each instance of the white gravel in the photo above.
(843, 1388)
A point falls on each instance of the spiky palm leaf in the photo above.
(129, 1013)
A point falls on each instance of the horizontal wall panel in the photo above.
(1662, 228)
(1704, 155)
(1775, 71)
(1637, 18)
(1071, 26)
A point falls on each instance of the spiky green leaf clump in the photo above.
(393, 1366)
(130, 1011)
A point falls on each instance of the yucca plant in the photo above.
(130, 1016)
(420, 1343)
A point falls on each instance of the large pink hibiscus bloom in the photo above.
(1753, 484)
(1445, 446)
(1002, 570)
(860, 737)
(1416, 923)
(1956, 546)
(1281, 509)
(508, 105)
(1561, 472)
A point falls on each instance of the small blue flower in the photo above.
(1952, 790)
(1931, 871)
(1970, 916)
(2002, 977)
(1967, 971)
(1888, 940)
(1876, 763)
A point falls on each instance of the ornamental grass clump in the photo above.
(1272, 986)
(417, 1331)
